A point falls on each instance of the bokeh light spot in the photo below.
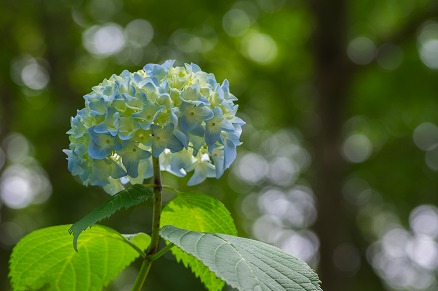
(252, 168)
(428, 44)
(266, 227)
(395, 241)
(301, 210)
(104, 40)
(35, 76)
(139, 33)
(186, 41)
(103, 10)
(260, 48)
(282, 171)
(426, 136)
(21, 186)
(301, 245)
(361, 50)
(357, 148)
(16, 191)
(424, 220)
(274, 202)
(236, 22)
(429, 53)
(17, 147)
(423, 251)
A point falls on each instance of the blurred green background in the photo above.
(339, 165)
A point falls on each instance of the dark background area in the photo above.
(339, 165)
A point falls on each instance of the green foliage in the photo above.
(243, 263)
(198, 212)
(45, 260)
(124, 199)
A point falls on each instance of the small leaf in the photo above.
(124, 199)
(198, 212)
(45, 260)
(243, 263)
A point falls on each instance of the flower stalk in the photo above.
(155, 236)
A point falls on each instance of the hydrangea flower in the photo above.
(181, 115)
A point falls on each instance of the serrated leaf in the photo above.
(45, 260)
(127, 198)
(198, 212)
(243, 263)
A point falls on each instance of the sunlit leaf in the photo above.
(198, 212)
(124, 199)
(243, 263)
(45, 260)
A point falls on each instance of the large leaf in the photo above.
(198, 212)
(124, 199)
(45, 260)
(243, 263)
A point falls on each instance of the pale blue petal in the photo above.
(145, 171)
(192, 68)
(127, 128)
(215, 125)
(158, 71)
(199, 130)
(174, 144)
(171, 163)
(227, 94)
(97, 152)
(229, 154)
(174, 112)
(203, 169)
(102, 144)
(148, 114)
(114, 186)
(212, 135)
(164, 99)
(192, 115)
(165, 138)
(219, 160)
(131, 155)
(168, 64)
(182, 138)
(197, 143)
(77, 127)
(98, 107)
(192, 95)
(157, 149)
(110, 124)
(103, 169)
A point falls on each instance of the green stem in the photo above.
(155, 237)
(161, 252)
(158, 189)
(164, 187)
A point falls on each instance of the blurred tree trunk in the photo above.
(331, 81)
(333, 73)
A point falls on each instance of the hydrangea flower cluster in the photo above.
(180, 114)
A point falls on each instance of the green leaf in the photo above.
(45, 260)
(198, 212)
(243, 263)
(124, 199)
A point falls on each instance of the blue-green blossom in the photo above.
(181, 115)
